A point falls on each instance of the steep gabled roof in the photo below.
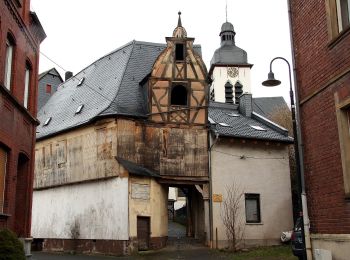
(109, 86)
(52, 71)
(226, 120)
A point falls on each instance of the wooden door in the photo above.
(143, 232)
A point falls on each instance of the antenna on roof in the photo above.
(226, 11)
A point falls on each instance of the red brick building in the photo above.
(321, 39)
(20, 36)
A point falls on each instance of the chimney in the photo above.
(228, 93)
(238, 91)
(245, 105)
(68, 75)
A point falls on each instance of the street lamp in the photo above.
(272, 82)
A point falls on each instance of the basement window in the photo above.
(81, 81)
(179, 52)
(47, 121)
(79, 109)
(256, 127)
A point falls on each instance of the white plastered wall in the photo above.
(220, 77)
(266, 174)
(100, 208)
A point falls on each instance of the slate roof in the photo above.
(240, 126)
(265, 106)
(52, 71)
(111, 87)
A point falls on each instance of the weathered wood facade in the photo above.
(89, 153)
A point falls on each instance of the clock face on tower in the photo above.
(232, 72)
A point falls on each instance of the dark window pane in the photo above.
(179, 96)
(252, 208)
(179, 51)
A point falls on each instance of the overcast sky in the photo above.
(81, 31)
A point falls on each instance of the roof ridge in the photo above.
(114, 51)
(122, 78)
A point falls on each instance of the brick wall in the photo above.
(322, 66)
(17, 126)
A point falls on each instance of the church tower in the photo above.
(229, 69)
(178, 84)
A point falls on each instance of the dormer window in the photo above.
(179, 52)
(81, 81)
(79, 109)
(179, 96)
(47, 121)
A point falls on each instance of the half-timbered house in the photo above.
(113, 138)
(118, 134)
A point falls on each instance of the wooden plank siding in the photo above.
(169, 151)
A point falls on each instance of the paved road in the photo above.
(164, 254)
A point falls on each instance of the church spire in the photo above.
(179, 31)
(179, 24)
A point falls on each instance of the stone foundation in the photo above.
(337, 244)
(87, 246)
(92, 246)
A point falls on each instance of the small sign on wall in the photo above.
(217, 197)
(140, 191)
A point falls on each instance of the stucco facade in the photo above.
(256, 167)
(154, 206)
(92, 208)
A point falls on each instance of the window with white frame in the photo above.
(252, 208)
(343, 121)
(8, 63)
(3, 163)
(26, 86)
(343, 11)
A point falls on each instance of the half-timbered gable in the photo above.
(177, 86)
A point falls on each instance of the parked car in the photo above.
(298, 247)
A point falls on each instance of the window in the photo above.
(343, 120)
(79, 109)
(3, 163)
(252, 208)
(8, 63)
(26, 85)
(179, 52)
(48, 88)
(212, 95)
(339, 16)
(81, 81)
(179, 96)
(47, 121)
(256, 127)
(343, 14)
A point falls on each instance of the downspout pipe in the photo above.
(306, 219)
(211, 222)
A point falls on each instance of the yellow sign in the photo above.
(217, 197)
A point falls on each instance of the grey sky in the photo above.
(81, 31)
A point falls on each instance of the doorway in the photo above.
(143, 233)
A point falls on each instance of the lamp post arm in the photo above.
(296, 148)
